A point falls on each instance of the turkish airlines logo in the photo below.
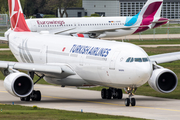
(14, 11)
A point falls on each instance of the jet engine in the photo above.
(19, 84)
(163, 80)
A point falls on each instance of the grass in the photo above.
(17, 112)
(161, 30)
(154, 42)
(4, 46)
(1, 34)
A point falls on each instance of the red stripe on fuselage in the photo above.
(80, 35)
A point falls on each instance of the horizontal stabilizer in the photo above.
(3, 39)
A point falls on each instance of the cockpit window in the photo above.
(145, 59)
(132, 59)
(128, 59)
(138, 60)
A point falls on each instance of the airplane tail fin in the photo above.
(152, 9)
(18, 22)
(149, 14)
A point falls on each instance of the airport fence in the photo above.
(4, 20)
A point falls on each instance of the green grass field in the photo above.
(4, 46)
(161, 31)
(16, 112)
(153, 42)
(1, 34)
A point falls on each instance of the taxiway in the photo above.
(72, 99)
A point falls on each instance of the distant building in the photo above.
(171, 8)
(75, 12)
(102, 7)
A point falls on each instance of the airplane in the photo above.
(74, 61)
(103, 27)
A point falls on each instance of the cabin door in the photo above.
(113, 61)
(43, 54)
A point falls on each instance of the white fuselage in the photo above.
(96, 62)
(68, 26)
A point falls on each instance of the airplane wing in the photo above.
(3, 39)
(165, 58)
(58, 31)
(51, 70)
(107, 29)
(71, 30)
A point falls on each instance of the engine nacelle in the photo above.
(163, 80)
(19, 84)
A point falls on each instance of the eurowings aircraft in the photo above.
(73, 61)
(101, 27)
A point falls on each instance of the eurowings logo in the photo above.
(16, 15)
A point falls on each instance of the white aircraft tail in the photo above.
(18, 22)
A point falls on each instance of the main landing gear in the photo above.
(111, 92)
(117, 94)
(35, 95)
(130, 100)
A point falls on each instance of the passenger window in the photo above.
(145, 60)
(128, 59)
(138, 60)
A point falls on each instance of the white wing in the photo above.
(3, 39)
(165, 58)
(53, 70)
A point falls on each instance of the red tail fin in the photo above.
(18, 22)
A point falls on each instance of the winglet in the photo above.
(18, 22)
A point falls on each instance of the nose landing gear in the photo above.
(130, 100)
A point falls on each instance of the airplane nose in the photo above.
(143, 72)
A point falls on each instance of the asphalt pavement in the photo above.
(71, 99)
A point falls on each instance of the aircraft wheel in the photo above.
(103, 93)
(27, 98)
(119, 94)
(114, 97)
(22, 99)
(108, 94)
(133, 101)
(127, 102)
(38, 95)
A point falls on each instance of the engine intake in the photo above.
(163, 80)
(19, 84)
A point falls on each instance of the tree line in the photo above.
(31, 7)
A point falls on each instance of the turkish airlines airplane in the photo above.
(101, 27)
(73, 61)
